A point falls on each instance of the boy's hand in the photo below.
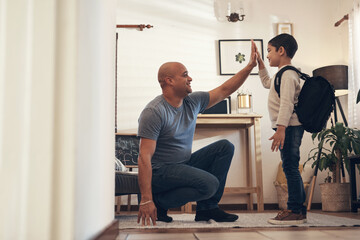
(278, 138)
(259, 61)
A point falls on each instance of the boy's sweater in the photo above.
(281, 110)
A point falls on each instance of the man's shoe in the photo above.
(287, 217)
(162, 215)
(216, 214)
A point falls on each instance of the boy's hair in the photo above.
(286, 41)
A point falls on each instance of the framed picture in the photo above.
(127, 149)
(234, 55)
(284, 28)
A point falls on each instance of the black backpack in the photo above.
(316, 100)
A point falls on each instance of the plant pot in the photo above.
(335, 197)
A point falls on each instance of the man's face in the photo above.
(182, 81)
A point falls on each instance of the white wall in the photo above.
(94, 176)
(187, 31)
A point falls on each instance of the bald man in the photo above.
(169, 174)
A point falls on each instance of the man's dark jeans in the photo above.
(290, 156)
(201, 179)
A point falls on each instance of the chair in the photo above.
(126, 181)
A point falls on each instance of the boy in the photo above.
(288, 129)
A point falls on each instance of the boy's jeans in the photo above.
(201, 179)
(290, 156)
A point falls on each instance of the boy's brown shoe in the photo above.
(287, 217)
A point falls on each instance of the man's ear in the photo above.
(169, 80)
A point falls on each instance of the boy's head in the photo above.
(286, 41)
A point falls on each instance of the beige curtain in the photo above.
(354, 65)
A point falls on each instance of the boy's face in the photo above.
(273, 56)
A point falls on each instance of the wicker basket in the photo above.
(335, 197)
(282, 193)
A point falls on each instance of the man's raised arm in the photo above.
(231, 85)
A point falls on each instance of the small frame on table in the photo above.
(284, 28)
(234, 55)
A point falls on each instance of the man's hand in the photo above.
(253, 56)
(278, 138)
(147, 211)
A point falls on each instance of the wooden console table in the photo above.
(242, 121)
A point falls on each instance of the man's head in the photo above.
(174, 75)
(286, 41)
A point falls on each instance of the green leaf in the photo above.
(313, 136)
(341, 137)
(339, 130)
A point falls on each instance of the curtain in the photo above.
(354, 65)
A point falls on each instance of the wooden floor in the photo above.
(318, 233)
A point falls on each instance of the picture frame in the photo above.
(284, 28)
(127, 149)
(234, 55)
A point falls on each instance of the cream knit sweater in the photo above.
(281, 110)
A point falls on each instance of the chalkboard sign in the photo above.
(127, 149)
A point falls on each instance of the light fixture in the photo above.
(337, 75)
(237, 15)
(230, 10)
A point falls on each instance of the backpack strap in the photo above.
(278, 75)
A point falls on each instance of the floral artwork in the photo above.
(234, 54)
(240, 57)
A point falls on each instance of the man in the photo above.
(169, 174)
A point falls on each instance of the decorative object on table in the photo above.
(343, 142)
(234, 54)
(285, 28)
(244, 102)
(229, 10)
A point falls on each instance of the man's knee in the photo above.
(227, 146)
(211, 187)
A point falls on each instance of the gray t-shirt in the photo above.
(172, 128)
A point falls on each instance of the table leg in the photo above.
(248, 167)
(258, 165)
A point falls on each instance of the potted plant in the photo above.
(335, 145)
